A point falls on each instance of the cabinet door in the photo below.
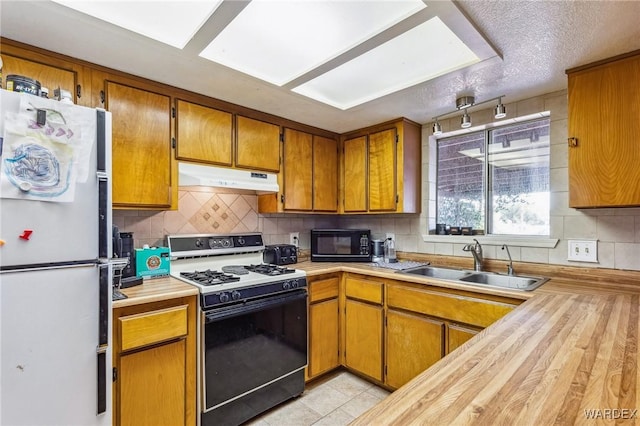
(458, 335)
(325, 174)
(203, 134)
(152, 386)
(50, 77)
(297, 169)
(323, 337)
(603, 115)
(363, 338)
(141, 148)
(257, 144)
(414, 343)
(355, 173)
(382, 170)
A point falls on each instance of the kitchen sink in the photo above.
(442, 273)
(514, 282)
(505, 281)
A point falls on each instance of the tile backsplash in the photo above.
(203, 210)
(208, 210)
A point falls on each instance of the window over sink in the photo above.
(496, 180)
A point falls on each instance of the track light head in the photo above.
(465, 120)
(500, 111)
(437, 128)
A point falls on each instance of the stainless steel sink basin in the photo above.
(442, 273)
(505, 281)
(522, 283)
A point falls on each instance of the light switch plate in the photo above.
(583, 251)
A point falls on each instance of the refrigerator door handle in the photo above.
(102, 380)
(103, 336)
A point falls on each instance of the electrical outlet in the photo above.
(294, 238)
(583, 251)
(391, 235)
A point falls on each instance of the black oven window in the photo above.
(334, 245)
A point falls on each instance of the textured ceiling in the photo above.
(538, 41)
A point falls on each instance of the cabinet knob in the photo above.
(573, 142)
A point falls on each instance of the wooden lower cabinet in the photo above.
(154, 360)
(363, 325)
(413, 344)
(423, 324)
(153, 385)
(324, 326)
(363, 338)
(457, 335)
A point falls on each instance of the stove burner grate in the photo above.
(266, 269)
(209, 277)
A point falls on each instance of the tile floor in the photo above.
(334, 400)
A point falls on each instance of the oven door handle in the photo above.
(253, 306)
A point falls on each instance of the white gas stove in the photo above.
(229, 268)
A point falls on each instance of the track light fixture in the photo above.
(465, 102)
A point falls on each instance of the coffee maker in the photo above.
(123, 248)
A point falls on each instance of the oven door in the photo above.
(253, 344)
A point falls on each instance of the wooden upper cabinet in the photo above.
(203, 134)
(355, 174)
(298, 170)
(141, 146)
(604, 128)
(382, 170)
(49, 76)
(257, 144)
(325, 174)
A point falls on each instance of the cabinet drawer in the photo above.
(367, 290)
(323, 289)
(481, 313)
(152, 327)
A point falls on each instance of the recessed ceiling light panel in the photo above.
(170, 22)
(278, 41)
(427, 51)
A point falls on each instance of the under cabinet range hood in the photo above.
(196, 174)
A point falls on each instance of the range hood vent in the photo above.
(196, 174)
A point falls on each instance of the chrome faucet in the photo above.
(510, 270)
(476, 251)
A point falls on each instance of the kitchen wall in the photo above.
(216, 210)
(616, 229)
(206, 210)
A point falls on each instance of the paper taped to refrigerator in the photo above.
(44, 161)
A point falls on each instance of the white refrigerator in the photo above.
(55, 270)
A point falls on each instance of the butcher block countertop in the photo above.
(155, 290)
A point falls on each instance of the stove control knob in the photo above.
(294, 283)
(286, 285)
(240, 241)
(235, 295)
(224, 297)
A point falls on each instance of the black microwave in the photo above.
(340, 245)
